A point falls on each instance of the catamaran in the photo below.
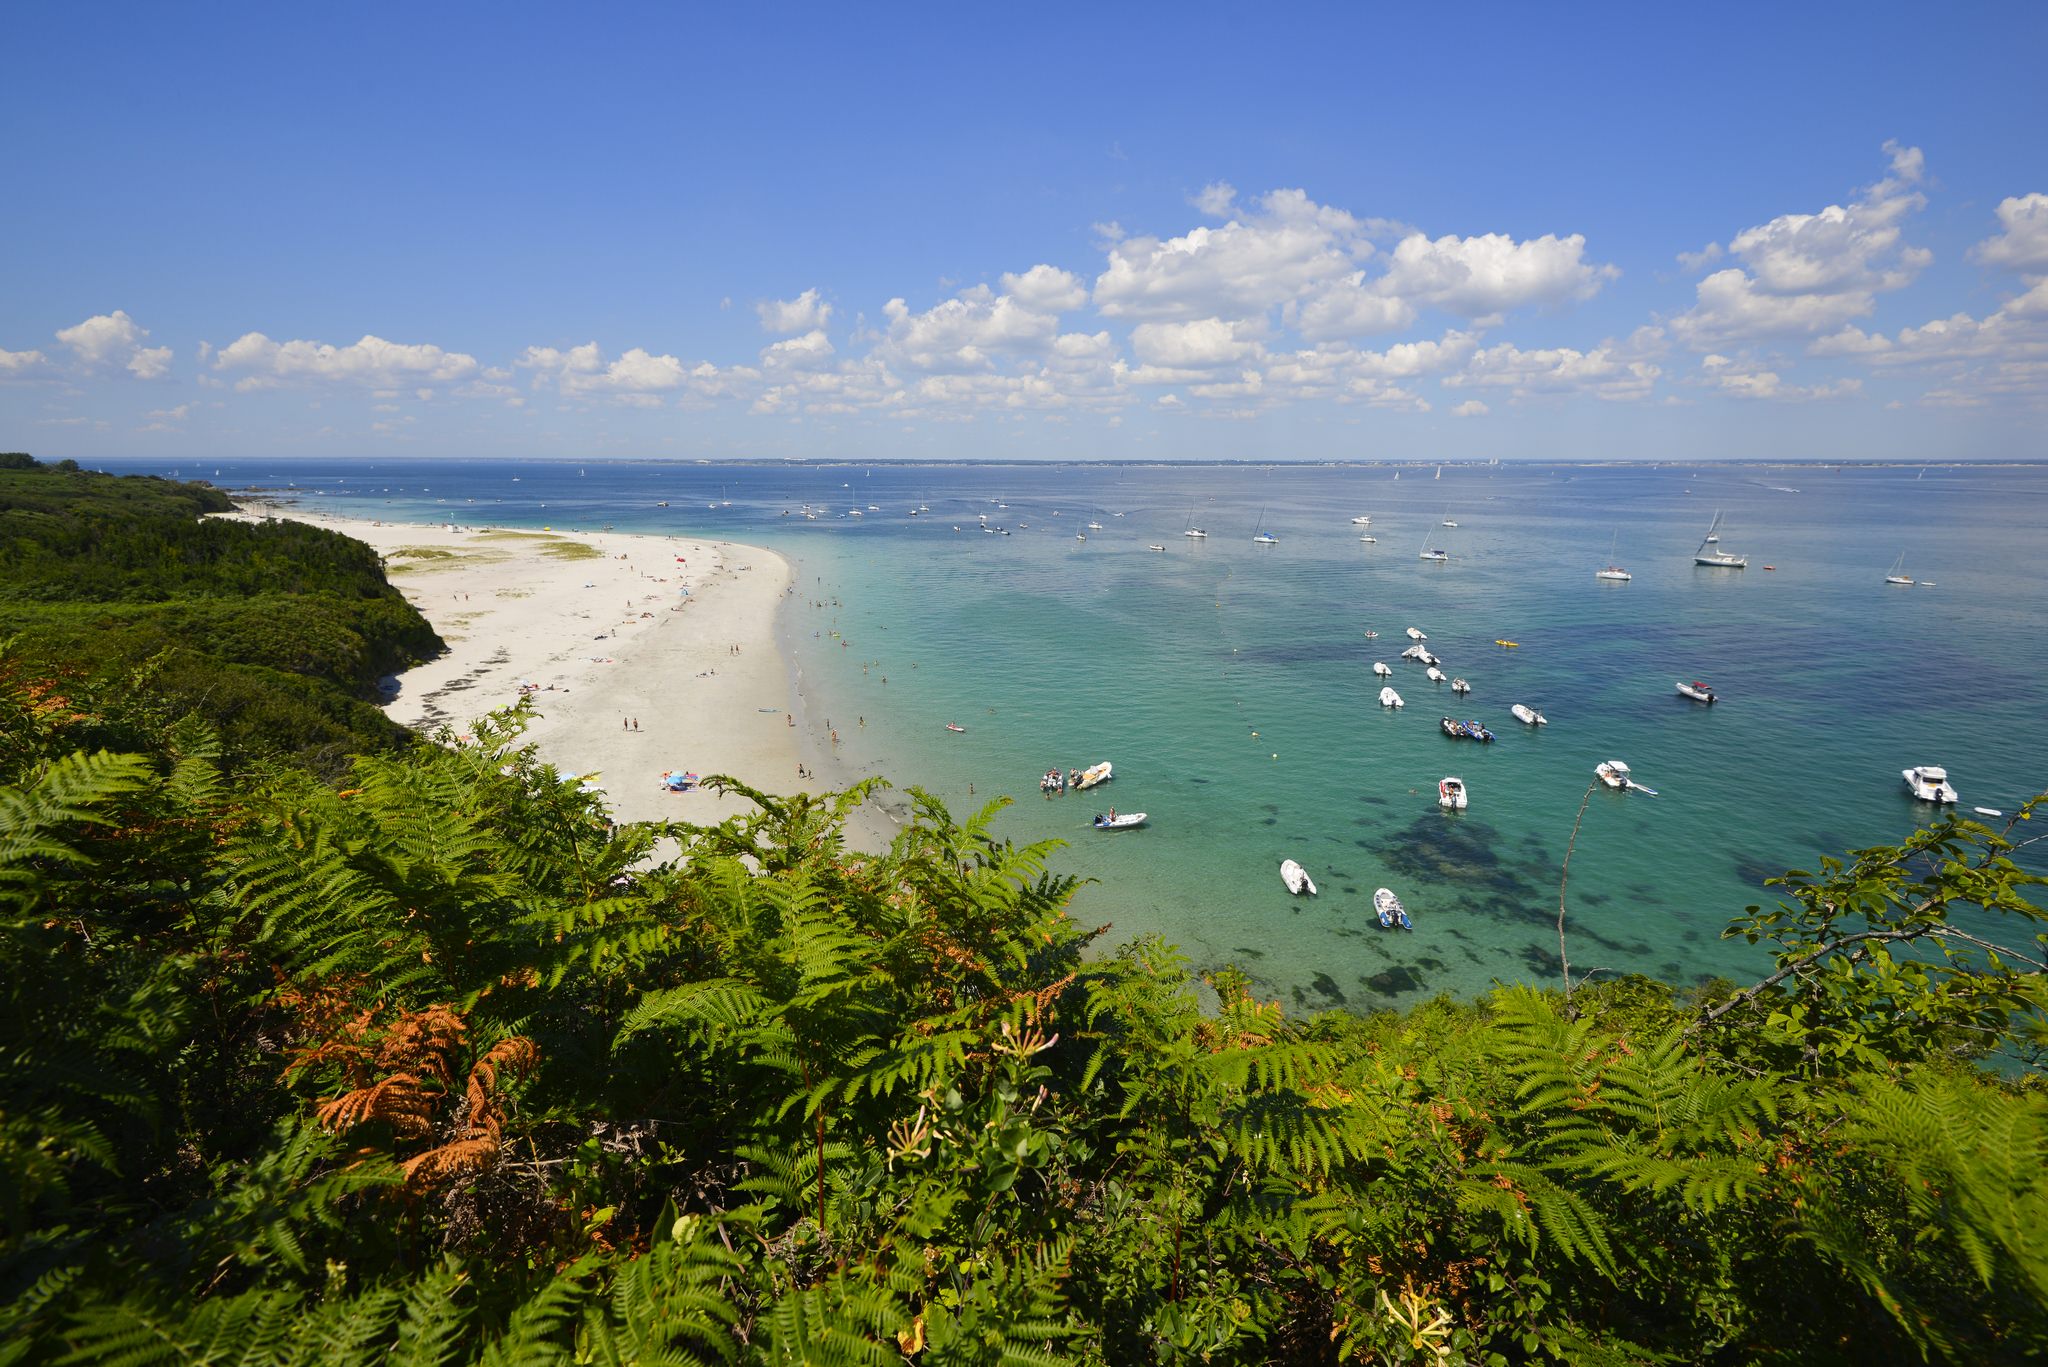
(1613, 571)
(1717, 558)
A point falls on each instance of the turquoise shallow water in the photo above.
(1230, 683)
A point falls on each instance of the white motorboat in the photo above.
(1095, 526)
(1898, 575)
(1380, 668)
(1415, 634)
(1696, 690)
(1155, 548)
(1447, 523)
(1717, 558)
(1119, 821)
(1615, 774)
(1435, 675)
(1613, 571)
(1389, 698)
(1391, 912)
(1929, 783)
(1450, 793)
(1528, 715)
(1370, 540)
(1361, 521)
(1296, 878)
(1099, 773)
(1460, 686)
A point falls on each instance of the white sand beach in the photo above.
(644, 654)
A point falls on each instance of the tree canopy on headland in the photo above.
(431, 1061)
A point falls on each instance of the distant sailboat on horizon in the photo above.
(1898, 575)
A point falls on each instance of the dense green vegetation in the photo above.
(275, 633)
(438, 1065)
(427, 1061)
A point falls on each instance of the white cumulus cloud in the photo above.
(371, 362)
(1487, 275)
(2023, 243)
(804, 313)
(109, 339)
(1804, 274)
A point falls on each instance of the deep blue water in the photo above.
(1231, 685)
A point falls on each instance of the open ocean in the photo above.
(1231, 683)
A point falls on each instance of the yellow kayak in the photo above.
(1509, 644)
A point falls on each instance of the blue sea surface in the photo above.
(1231, 684)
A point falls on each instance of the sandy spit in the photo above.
(648, 653)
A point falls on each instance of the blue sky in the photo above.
(1279, 232)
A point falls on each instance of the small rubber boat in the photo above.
(1414, 652)
(1696, 690)
(1478, 732)
(1389, 698)
(1119, 821)
(1528, 715)
(1296, 878)
(1155, 548)
(1100, 773)
(1380, 668)
(954, 726)
(1391, 912)
(1435, 675)
(1929, 783)
(1450, 793)
(1460, 686)
(1370, 634)
(1415, 634)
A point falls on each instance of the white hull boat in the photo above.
(1119, 821)
(1389, 698)
(1370, 540)
(1615, 774)
(1296, 878)
(1391, 912)
(1528, 715)
(1717, 558)
(1898, 575)
(1415, 634)
(1381, 668)
(1434, 675)
(1460, 686)
(1197, 533)
(1414, 652)
(1613, 571)
(1155, 548)
(1095, 774)
(1697, 691)
(1929, 783)
(1450, 794)
(1361, 521)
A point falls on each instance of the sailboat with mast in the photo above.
(1431, 552)
(1712, 556)
(1262, 537)
(1613, 571)
(1193, 531)
(1898, 575)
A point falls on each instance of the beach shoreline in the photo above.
(642, 654)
